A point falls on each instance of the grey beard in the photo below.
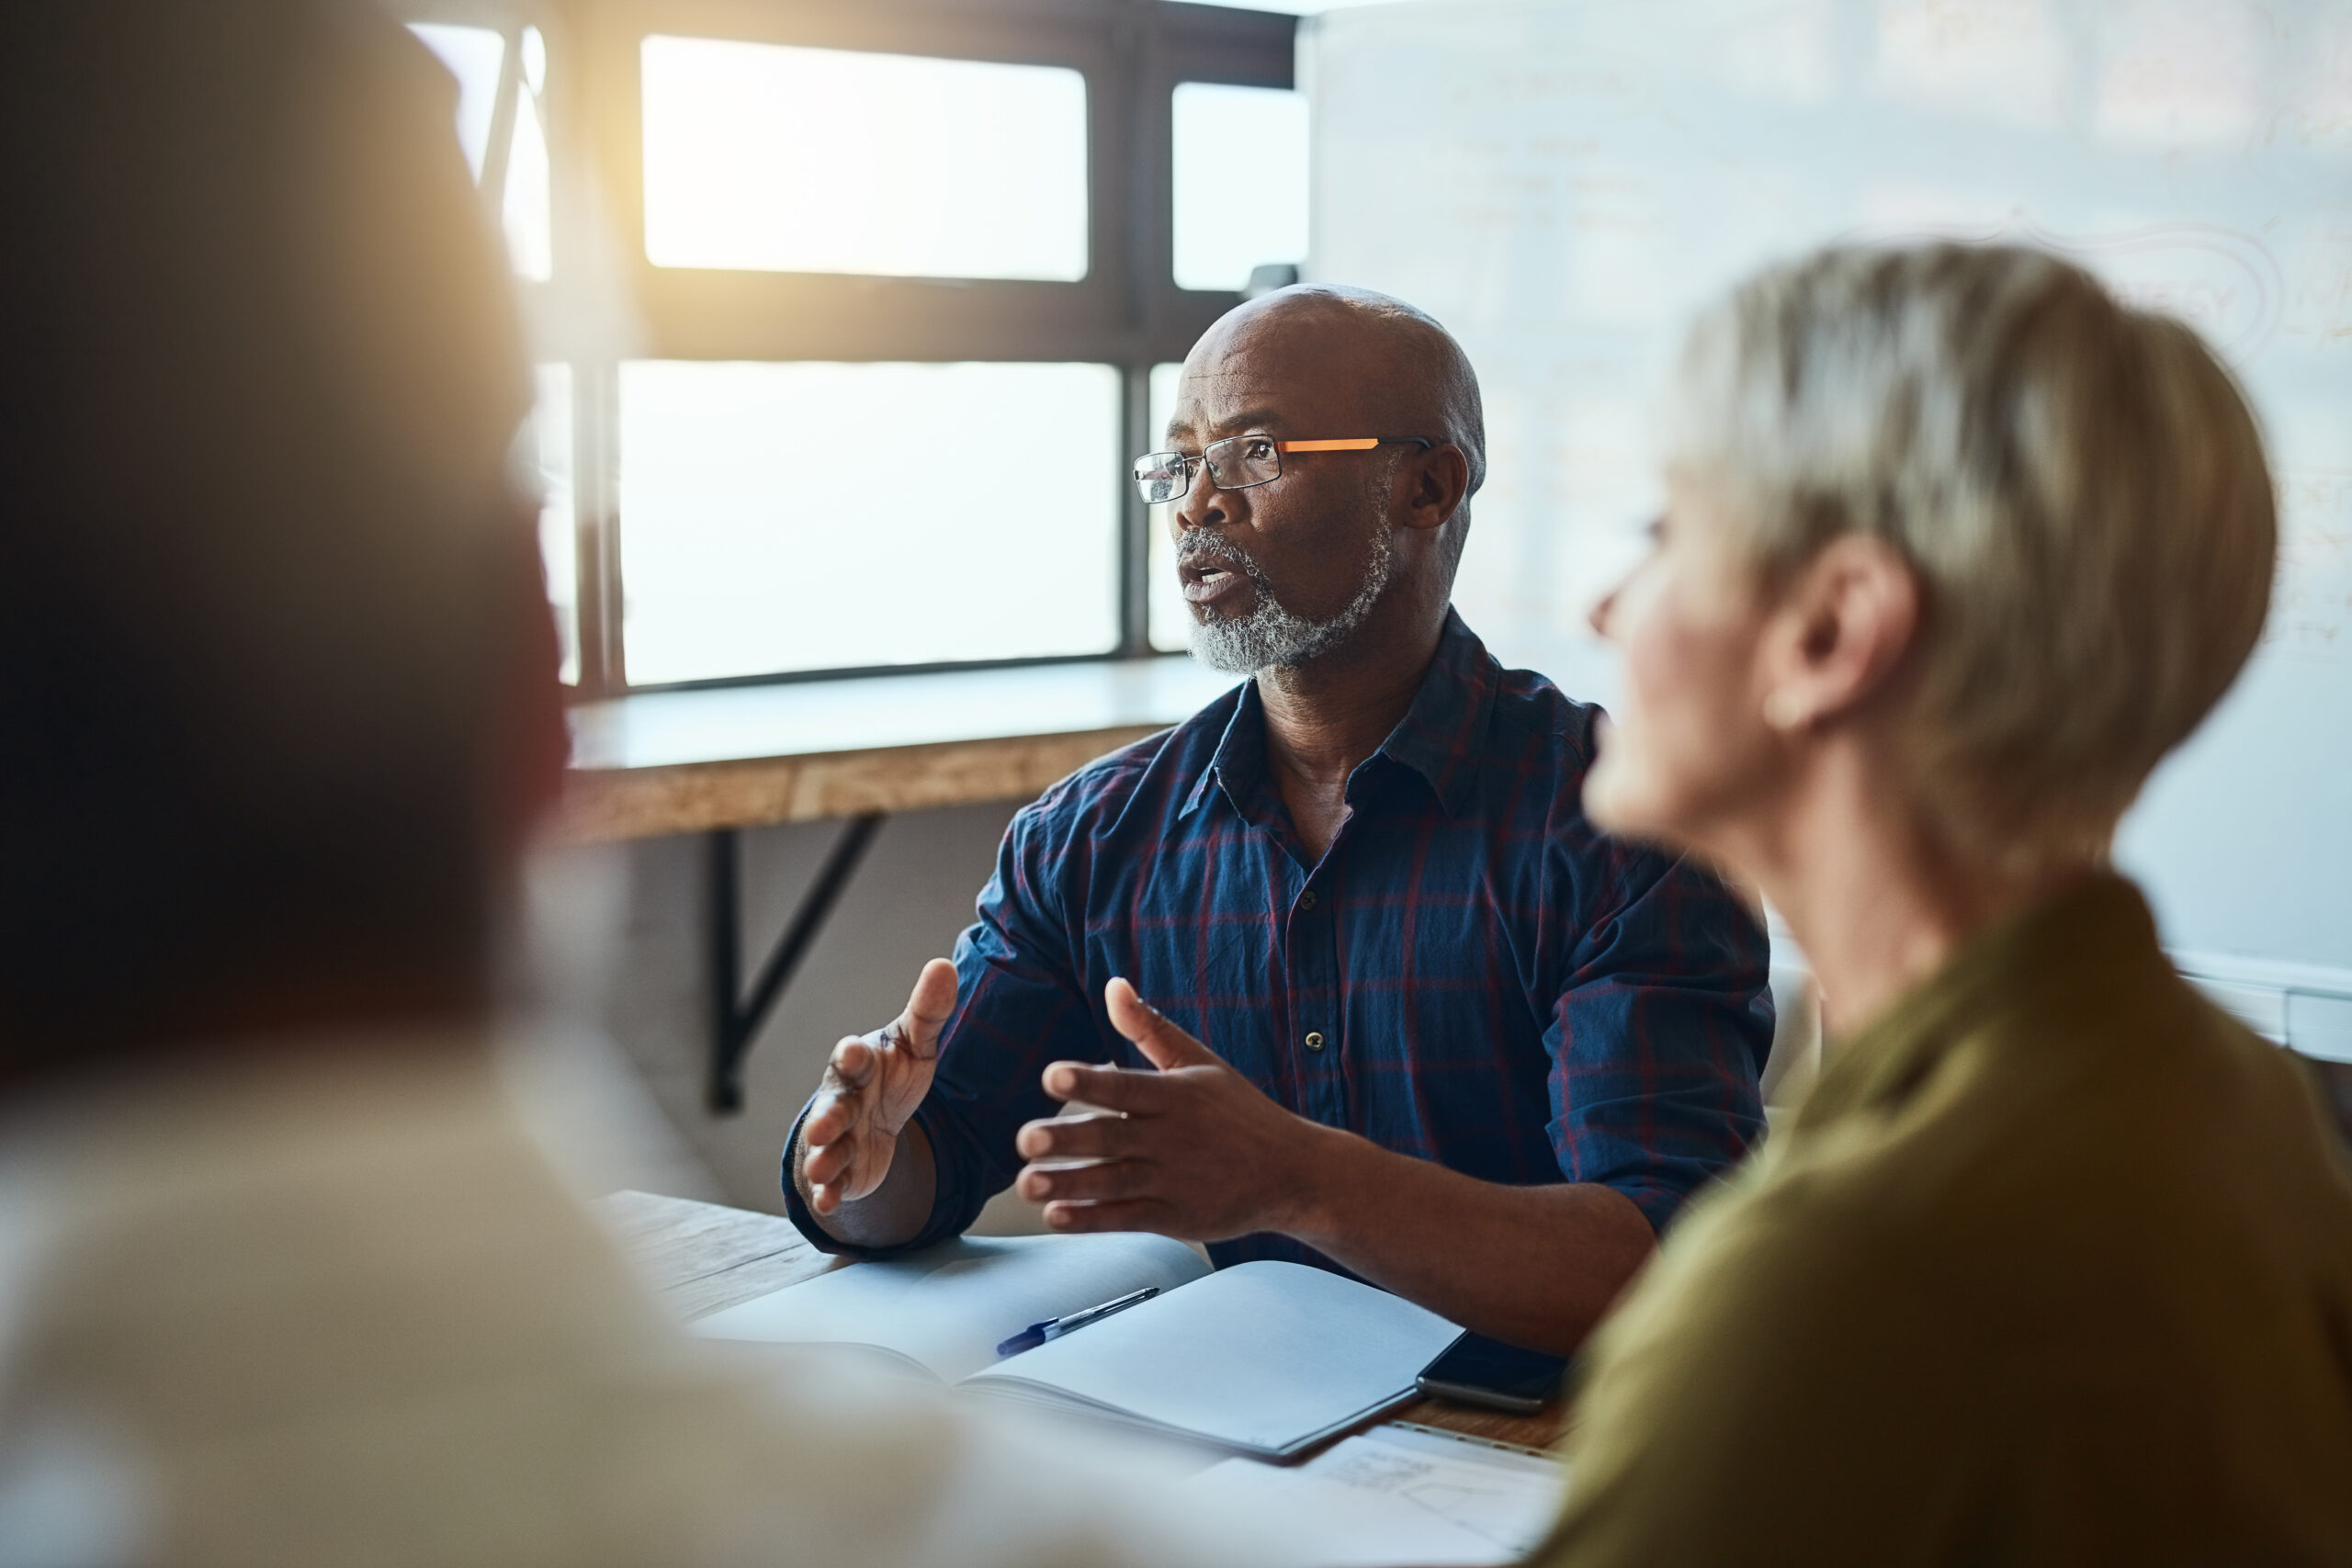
(1270, 637)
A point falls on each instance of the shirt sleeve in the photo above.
(1660, 1034)
(1020, 1006)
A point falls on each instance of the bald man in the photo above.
(1376, 995)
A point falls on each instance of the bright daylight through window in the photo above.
(816, 516)
(1171, 621)
(548, 435)
(1240, 174)
(524, 205)
(474, 56)
(477, 58)
(898, 433)
(771, 158)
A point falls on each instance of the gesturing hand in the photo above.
(1199, 1154)
(873, 1083)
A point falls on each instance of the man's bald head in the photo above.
(1414, 378)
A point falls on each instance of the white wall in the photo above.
(1565, 181)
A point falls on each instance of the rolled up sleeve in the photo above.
(1659, 1036)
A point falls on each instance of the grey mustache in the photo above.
(1208, 546)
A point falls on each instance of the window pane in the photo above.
(548, 434)
(1240, 174)
(812, 516)
(1171, 623)
(529, 237)
(816, 160)
(473, 56)
(1298, 7)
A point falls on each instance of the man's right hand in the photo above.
(873, 1083)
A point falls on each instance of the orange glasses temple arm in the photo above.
(1352, 444)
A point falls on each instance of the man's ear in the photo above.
(1437, 482)
(1844, 621)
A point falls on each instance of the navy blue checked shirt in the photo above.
(1471, 974)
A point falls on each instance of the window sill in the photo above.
(682, 761)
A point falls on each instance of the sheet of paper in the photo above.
(1261, 1356)
(1392, 1497)
(1507, 1499)
(1311, 1522)
(947, 1307)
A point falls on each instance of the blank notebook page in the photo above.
(946, 1306)
(1259, 1355)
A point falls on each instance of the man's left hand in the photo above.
(1197, 1152)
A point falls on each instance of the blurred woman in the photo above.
(2055, 1263)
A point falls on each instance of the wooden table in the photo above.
(703, 1257)
(800, 751)
(719, 761)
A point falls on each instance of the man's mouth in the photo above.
(1207, 579)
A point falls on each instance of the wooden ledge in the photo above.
(637, 803)
(689, 762)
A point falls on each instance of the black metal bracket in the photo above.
(735, 1019)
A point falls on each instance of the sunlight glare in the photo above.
(784, 159)
(473, 56)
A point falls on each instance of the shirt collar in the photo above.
(1443, 735)
(2095, 936)
(1239, 763)
(1438, 737)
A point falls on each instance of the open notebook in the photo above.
(1263, 1359)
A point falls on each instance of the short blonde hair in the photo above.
(2079, 486)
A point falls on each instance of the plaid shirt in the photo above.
(1471, 974)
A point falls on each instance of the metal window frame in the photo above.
(1126, 312)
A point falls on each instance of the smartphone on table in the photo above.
(1475, 1369)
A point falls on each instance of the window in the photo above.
(517, 180)
(813, 517)
(1171, 621)
(850, 317)
(823, 160)
(548, 434)
(475, 56)
(1240, 182)
(489, 65)
(525, 202)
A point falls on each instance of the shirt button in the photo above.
(1306, 899)
(1315, 1042)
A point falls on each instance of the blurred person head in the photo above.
(1953, 523)
(276, 671)
(1281, 573)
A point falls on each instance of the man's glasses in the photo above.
(1240, 461)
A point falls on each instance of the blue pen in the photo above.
(1036, 1334)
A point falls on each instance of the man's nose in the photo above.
(1202, 505)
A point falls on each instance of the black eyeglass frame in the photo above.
(1191, 467)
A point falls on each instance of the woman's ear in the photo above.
(1846, 619)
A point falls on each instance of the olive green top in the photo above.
(2054, 1266)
